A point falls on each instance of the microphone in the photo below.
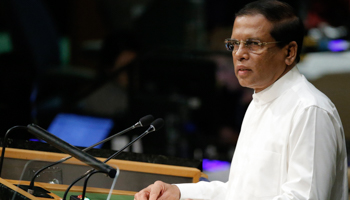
(144, 121)
(70, 149)
(155, 125)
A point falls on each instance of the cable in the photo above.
(88, 174)
(86, 181)
(74, 182)
(4, 143)
(92, 170)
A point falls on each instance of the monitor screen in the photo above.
(80, 130)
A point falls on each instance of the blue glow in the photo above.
(34, 140)
(338, 45)
(215, 165)
(80, 130)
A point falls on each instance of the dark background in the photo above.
(61, 52)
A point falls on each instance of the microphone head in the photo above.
(146, 120)
(157, 124)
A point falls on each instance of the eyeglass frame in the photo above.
(260, 44)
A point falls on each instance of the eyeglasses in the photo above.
(254, 46)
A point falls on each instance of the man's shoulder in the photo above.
(308, 95)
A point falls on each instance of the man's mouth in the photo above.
(243, 71)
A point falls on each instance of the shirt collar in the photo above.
(277, 88)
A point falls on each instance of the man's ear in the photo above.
(291, 53)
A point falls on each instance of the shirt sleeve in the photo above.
(314, 146)
(214, 190)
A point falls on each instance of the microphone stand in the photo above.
(144, 121)
(31, 186)
(157, 124)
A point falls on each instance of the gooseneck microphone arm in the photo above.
(156, 125)
(144, 121)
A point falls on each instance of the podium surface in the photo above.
(57, 191)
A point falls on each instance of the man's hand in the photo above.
(159, 191)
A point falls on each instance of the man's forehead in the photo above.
(251, 25)
(252, 19)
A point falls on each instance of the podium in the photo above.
(133, 175)
(8, 190)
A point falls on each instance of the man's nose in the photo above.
(242, 49)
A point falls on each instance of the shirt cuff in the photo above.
(187, 190)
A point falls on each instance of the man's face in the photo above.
(257, 71)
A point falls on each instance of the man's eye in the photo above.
(248, 43)
(235, 43)
(255, 43)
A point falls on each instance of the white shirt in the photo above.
(291, 146)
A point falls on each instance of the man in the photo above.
(291, 144)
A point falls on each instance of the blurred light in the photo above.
(338, 45)
(315, 33)
(35, 140)
(334, 32)
(215, 165)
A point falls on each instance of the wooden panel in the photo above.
(133, 176)
(122, 164)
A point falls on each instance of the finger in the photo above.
(170, 192)
(143, 194)
(156, 190)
